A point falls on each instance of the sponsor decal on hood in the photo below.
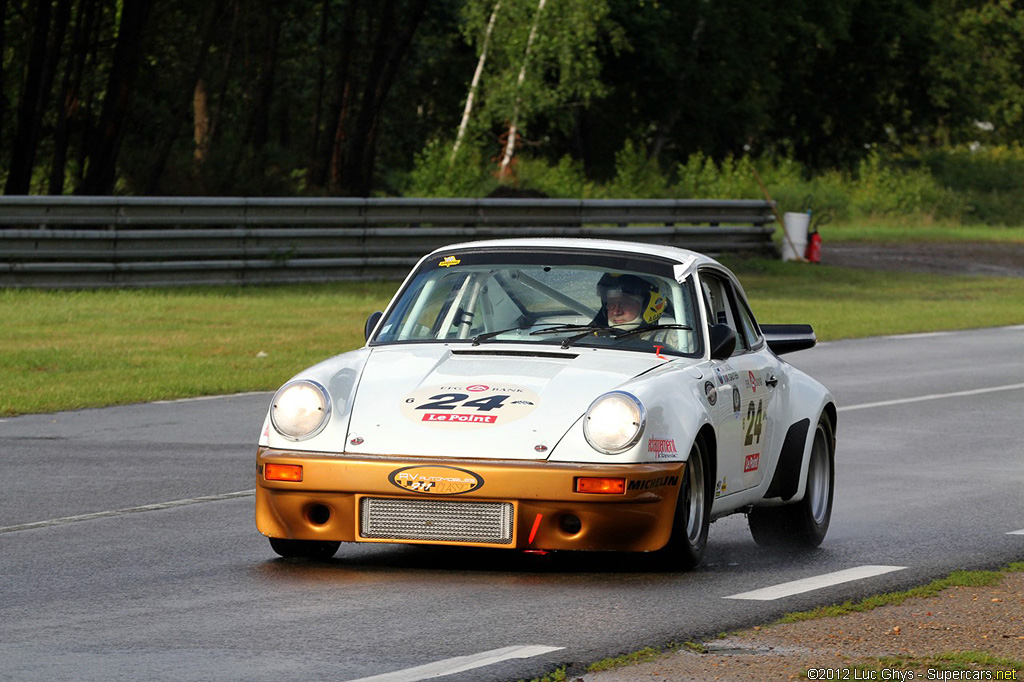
(461, 406)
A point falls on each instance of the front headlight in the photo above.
(614, 422)
(300, 409)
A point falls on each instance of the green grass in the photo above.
(956, 660)
(644, 655)
(914, 229)
(846, 303)
(954, 579)
(74, 349)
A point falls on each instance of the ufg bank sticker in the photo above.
(436, 480)
(461, 406)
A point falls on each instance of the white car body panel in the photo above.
(505, 401)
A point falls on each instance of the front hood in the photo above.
(501, 402)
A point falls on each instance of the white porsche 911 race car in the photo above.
(553, 394)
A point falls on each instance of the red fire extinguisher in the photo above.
(812, 254)
(813, 251)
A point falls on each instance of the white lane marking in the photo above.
(816, 583)
(130, 510)
(450, 666)
(1016, 532)
(922, 335)
(933, 396)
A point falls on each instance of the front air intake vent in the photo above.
(436, 520)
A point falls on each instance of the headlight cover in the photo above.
(300, 409)
(614, 422)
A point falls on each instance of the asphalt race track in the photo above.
(128, 549)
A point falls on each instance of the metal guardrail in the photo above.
(84, 242)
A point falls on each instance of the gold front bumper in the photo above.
(547, 512)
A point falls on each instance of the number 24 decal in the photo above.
(754, 423)
(449, 401)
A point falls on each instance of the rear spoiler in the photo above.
(786, 338)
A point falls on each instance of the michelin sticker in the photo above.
(461, 406)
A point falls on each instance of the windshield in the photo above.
(545, 297)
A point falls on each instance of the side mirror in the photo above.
(371, 322)
(723, 341)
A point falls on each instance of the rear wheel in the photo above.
(304, 549)
(689, 538)
(805, 523)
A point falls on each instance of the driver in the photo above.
(628, 302)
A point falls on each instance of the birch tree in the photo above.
(537, 59)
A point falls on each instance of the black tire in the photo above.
(685, 548)
(804, 524)
(304, 549)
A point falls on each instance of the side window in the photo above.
(750, 328)
(720, 300)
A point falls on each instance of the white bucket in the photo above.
(795, 243)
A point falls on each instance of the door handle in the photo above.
(772, 381)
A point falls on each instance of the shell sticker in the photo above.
(436, 480)
(462, 406)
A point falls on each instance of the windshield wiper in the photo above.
(562, 328)
(581, 330)
(657, 327)
(490, 335)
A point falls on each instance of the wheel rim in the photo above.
(695, 497)
(819, 477)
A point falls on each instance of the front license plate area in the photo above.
(440, 521)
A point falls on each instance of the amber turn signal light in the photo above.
(283, 472)
(606, 486)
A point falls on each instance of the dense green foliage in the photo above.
(920, 102)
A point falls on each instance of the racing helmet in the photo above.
(652, 302)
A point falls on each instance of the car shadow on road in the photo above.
(358, 560)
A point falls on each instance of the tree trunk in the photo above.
(388, 53)
(475, 83)
(513, 129)
(191, 90)
(321, 80)
(3, 88)
(83, 120)
(47, 41)
(260, 124)
(69, 96)
(201, 122)
(103, 151)
(324, 171)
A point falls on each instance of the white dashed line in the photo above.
(130, 510)
(922, 335)
(1016, 532)
(933, 396)
(450, 666)
(816, 583)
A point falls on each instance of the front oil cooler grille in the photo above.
(436, 520)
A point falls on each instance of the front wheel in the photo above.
(304, 549)
(805, 523)
(689, 538)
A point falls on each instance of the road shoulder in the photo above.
(965, 628)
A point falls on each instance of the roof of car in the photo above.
(610, 245)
